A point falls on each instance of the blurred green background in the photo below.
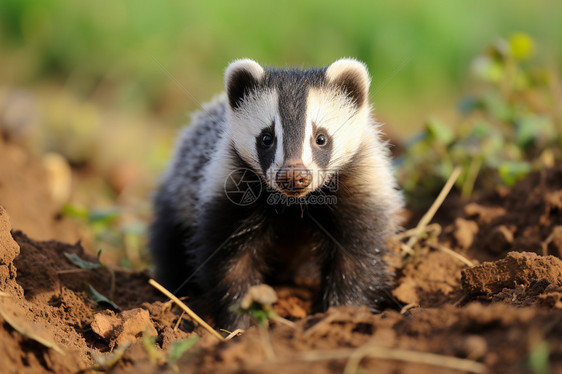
(109, 51)
(107, 84)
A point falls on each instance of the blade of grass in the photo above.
(185, 308)
(428, 216)
(99, 298)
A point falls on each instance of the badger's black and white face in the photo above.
(296, 128)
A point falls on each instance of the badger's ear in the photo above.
(350, 77)
(240, 78)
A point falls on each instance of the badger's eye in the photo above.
(267, 140)
(321, 140)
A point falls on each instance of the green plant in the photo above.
(258, 304)
(510, 126)
(90, 290)
(111, 231)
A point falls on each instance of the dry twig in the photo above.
(428, 216)
(186, 309)
(179, 320)
(407, 307)
(284, 321)
(234, 334)
(456, 255)
(397, 354)
(406, 355)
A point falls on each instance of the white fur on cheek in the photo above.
(343, 122)
(246, 123)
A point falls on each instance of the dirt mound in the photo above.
(514, 270)
(504, 315)
(47, 317)
(25, 193)
(9, 250)
(324, 343)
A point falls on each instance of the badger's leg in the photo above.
(168, 240)
(226, 277)
(354, 268)
(229, 248)
(357, 280)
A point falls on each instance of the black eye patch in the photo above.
(266, 145)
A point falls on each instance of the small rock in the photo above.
(106, 325)
(475, 347)
(464, 232)
(136, 323)
(499, 240)
(129, 325)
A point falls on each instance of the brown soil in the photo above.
(25, 194)
(502, 315)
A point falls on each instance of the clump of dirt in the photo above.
(515, 269)
(431, 281)
(487, 317)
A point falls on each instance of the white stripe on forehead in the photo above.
(306, 148)
(329, 109)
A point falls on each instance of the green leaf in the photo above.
(482, 129)
(497, 107)
(104, 216)
(76, 260)
(512, 171)
(74, 211)
(178, 348)
(99, 298)
(533, 129)
(440, 132)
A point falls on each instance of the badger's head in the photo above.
(297, 128)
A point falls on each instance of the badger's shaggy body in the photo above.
(316, 179)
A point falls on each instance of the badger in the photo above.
(286, 165)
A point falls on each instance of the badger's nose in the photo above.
(293, 177)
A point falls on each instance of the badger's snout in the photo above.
(293, 178)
